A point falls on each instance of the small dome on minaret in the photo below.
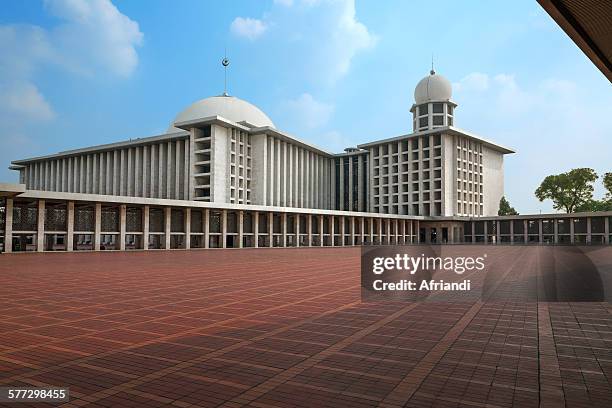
(433, 87)
(433, 107)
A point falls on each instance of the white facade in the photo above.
(227, 151)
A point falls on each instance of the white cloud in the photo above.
(475, 81)
(250, 28)
(318, 38)
(307, 112)
(23, 100)
(89, 37)
(348, 37)
(336, 141)
(93, 37)
(286, 3)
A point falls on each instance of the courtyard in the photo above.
(287, 327)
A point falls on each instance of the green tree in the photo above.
(607, 182)
(505, 208)
(594, 206)
(568, 190)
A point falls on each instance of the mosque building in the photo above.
(223, 175)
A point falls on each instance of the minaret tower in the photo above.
(433, 107)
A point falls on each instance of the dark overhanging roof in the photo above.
(589, 24)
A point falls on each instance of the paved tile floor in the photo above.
(284, 328)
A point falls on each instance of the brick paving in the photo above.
(285, 328)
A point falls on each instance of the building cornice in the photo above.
(111, 199)
(443, 129)
(105, 147)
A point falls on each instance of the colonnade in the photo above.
(49, 225)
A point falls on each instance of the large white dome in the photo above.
(228, 107)
(433, 87)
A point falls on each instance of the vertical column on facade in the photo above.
(352, 231)
(325, 191)
(606, 230)
(187, 228)
(8, 226)
(396, 231)
(122, 226)
(256, 228)
(497, 233)
(145, 227)
(307, 189)
(512, 231)
(224, 229)
(69, 227)
(108, 179)
(555, 231)
(272, 176)
(296, 175)
(332, 232)
(296, 223)
(168, 226)
(168, 175)
(332, 183)
(40, 236)
(540, 232)
(473, 225)
(129, 172)
(278, 173)
(206, 228)
(315, 180)
(342, 229)
(362, 229)
(283, 174)
(360, 181)
(146, 176)
(525, 231)
(321, 236)
(451, 234)
(399, 231)
(349, 183)
(486, 232)
(410, 231)
(571, 220)
(284, 229)
(97, 226)
(240, 228)
(379, 222)
(371, 231)
(388, 229)
(289, 172)
(309, 230)
(342, 183)
(271, 229)
(588, 230)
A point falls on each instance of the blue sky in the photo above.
(75, 73)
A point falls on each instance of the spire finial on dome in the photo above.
(432, 72)
(225, 62)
